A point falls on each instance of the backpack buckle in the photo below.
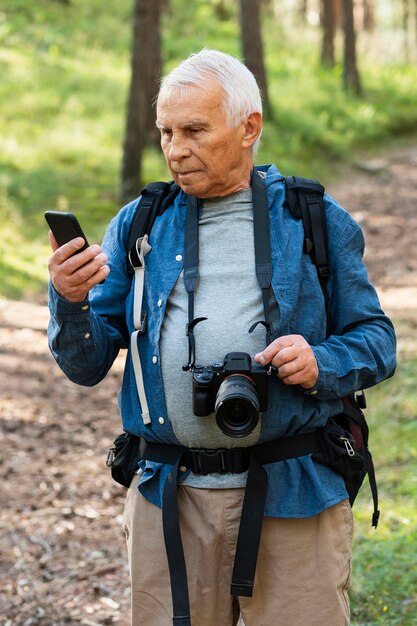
(308, 245)
(323, 272)
(206, 461)
(143, 323)
(138, 252)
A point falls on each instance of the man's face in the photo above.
(206, 157)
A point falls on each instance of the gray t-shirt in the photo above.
(229, 295)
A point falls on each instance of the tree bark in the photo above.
(220, 10)
(351, 78)
(328, 24)
(415, 20)
(369, 15)
(302, 9)
(253, 48)
(146, 70)
(406, 25)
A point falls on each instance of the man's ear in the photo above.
(252, 129)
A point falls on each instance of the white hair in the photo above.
(242, 94)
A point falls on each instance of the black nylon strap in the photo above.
(191, 272)
(175, 550)
(318, 229)
(249, 530)
(263, 262)
(287, 448)
(374, 489)
(263, 254)
(315, 230)
(150, 202)
(160, 452)
(234, 460)
(191, 247)
(262, 239)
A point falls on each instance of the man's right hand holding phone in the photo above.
(72, 274)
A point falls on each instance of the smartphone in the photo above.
(65, 227)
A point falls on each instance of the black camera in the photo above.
(236, 390)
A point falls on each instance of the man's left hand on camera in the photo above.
(294, 360)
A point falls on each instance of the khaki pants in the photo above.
(302, 575)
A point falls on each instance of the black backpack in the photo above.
(345, 437)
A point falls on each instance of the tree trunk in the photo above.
(220, 10)
(406, 25)
(369, 15)
(253, 48)
(415, 20)
(337, 11)
(302, 9)
(328, 24)
(146, 70)
(351, 78)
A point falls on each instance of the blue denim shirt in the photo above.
(86, 337)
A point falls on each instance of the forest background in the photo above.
(66, 68)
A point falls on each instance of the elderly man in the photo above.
(210, 117)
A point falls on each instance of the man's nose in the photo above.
(178, 148)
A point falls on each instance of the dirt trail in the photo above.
(62, 553)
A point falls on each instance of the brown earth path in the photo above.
(62, 553)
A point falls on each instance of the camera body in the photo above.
(236, 390)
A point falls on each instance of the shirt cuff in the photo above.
(65, 309)
(324, 389)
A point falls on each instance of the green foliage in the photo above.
(65, 73)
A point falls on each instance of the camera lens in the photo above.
(237, 406)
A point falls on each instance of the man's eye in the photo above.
(165, 132)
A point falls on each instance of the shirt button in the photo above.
(161, 420)
(85, 307)
(314, 393)
(159, 303)
(182, 468)
(87, 336)
(178, 257)
(154, 359)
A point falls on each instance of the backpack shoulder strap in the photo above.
(155, 198)
(304, 198)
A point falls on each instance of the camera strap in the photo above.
(191, 273)
(263, 261)
(263, 255)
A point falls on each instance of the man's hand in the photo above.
(73, 275)
(294, 358)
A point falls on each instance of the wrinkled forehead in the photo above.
(177, 94)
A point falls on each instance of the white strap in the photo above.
(142, 249)
(137, 366)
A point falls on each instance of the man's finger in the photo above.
(68, 249)
(53, 241)
(288, 368)
(289, 354)
(273, 349)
